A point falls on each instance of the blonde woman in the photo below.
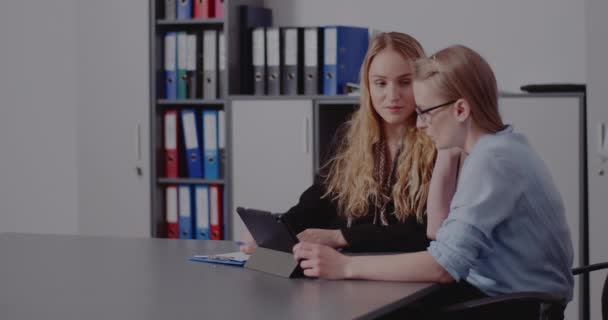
(506, 231)
(372, 195)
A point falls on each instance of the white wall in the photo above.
(525, 41)
(38, 177)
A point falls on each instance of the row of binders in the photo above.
(193, 73)
(310, 60)
(194, 212)
(197, 9)
(202, 145)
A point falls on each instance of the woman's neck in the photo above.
(394, 136)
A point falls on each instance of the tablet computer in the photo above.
(268, 230)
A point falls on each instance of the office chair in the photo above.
(522, 306)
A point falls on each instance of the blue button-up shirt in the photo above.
(506, 231)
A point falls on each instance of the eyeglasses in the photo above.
(425, 116)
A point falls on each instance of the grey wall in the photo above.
(525, 41)
(38, 105)
(597, 102)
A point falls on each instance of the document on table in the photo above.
(233, 258)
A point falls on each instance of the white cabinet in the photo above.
(554, 128)
(113, 98)
(272, 161)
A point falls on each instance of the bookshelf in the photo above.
(159, 26)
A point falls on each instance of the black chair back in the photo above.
(518, 305)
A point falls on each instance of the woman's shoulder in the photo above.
(511, 147)
(504, 157)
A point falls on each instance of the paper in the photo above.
(234, 258)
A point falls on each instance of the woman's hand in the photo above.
(248, 244)
(331, 238)
(321, 261)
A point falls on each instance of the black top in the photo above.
(312, 211)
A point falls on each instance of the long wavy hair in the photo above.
(350, 178)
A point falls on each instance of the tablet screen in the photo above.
(268, 230)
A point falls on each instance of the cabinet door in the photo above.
(113, 113)
(597, 116)
(553, 126)
(272, 160)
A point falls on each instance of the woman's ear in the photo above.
(462, 110)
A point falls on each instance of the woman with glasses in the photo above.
(506, 231)
(372, 194)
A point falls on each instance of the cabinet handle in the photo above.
(306, 139)
(138, 166)
(602, 149)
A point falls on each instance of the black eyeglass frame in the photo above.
(420, 112)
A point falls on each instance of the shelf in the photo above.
(190, 22)
(338, 99)
(191, 102)
(190, 181)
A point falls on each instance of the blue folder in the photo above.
(220, 260)
(191, 134)
(233, 258)
(186, 212)
(170, 65)
(344, 51)
(210, 144)
(201, 212)
(184, 9)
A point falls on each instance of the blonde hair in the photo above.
(459, 72)
(350, 180)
